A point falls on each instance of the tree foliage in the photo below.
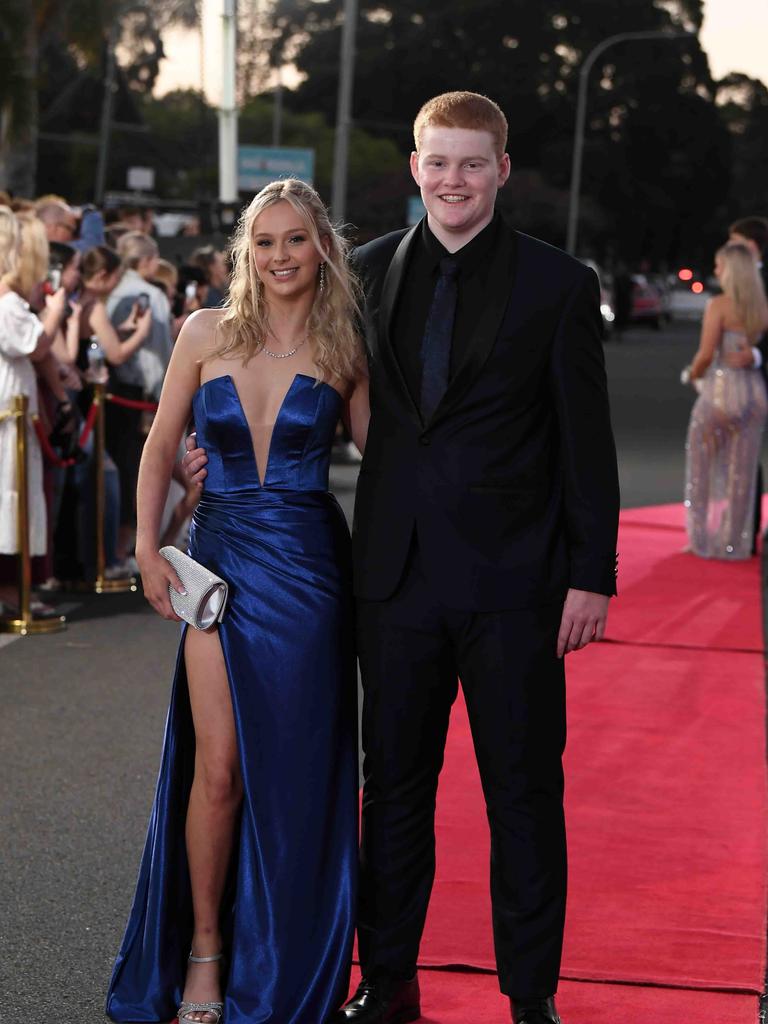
(670, 154)
(743, 104)
(40, 39)
(656, 150)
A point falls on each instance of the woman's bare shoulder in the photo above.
(718, 307)
(199, 331)
(204, 321)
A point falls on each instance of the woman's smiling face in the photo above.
(285, 257)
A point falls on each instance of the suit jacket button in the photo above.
(424, 439)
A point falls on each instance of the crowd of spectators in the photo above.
(85, 299)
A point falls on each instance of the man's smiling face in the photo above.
(459, 174)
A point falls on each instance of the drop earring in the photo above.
(322, 277)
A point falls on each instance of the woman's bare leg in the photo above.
(213, 806)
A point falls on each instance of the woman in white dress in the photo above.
(24, 339)
(726, 426)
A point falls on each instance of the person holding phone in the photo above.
(139, 377)
(190, 295)
(25, 341)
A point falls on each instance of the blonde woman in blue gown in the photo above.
(727, 420)
(245, 905)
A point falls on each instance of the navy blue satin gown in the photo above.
(287, 636)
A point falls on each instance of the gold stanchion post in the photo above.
(25, 624)
(101, 584)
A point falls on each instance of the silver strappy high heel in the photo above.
(186, 1007)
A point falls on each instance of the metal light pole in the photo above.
(107, 105)
(344, 111)
(277, 109)
(228, 108)
(581, 115)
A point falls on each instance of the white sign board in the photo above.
(141, 179)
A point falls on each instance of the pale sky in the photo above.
(735, 36)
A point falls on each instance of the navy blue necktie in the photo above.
(436, 346)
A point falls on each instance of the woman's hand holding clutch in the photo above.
(157, 574)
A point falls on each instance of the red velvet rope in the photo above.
(90, 419)
(85, 433)
(131, 403)
(45, 444)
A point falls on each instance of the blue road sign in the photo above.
(415, 210)
(258, 165)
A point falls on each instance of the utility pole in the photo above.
(344, 112)
(228, 107)
(277, 109)
(581, 115)
(107, 107)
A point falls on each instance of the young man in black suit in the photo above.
(484, 546)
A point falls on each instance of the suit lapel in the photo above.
(390, 290)
(500, 281)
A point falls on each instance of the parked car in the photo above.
(647, 301)
(688, 299)
(606, 295)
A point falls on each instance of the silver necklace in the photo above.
(284, 355)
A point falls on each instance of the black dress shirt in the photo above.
(415, 299)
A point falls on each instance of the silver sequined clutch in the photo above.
(207, 593)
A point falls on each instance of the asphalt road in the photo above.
(82, 715)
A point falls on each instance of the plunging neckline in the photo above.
(262, 480)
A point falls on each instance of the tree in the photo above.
(743, 106)
(18, 69)
(36, 32)
(527, 56)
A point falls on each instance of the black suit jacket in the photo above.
(512, 484)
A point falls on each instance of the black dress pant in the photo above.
(413, 650)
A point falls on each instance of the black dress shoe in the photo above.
(382, 1000)
(534, 1011)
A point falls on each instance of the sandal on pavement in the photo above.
(212, 1008)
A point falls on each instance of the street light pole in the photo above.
(344, 111)
(277, 109)
(107, 106)
(581, 116)
(228, 108)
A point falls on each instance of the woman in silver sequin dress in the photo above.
(727, 420)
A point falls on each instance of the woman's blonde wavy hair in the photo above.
(32, 263)
(9, 245)
(742, 283)
(333, 319)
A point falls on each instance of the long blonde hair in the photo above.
(9, 245)
(742, 283)
(32, 264)
(335, 313)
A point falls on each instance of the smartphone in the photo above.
(53, 280)
(191, 290)
(142, 302)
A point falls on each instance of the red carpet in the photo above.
(667, 597)
(452, 997)
(666, 809)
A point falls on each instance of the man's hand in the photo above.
(742, 359)
(584, 618)
(194, 461)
